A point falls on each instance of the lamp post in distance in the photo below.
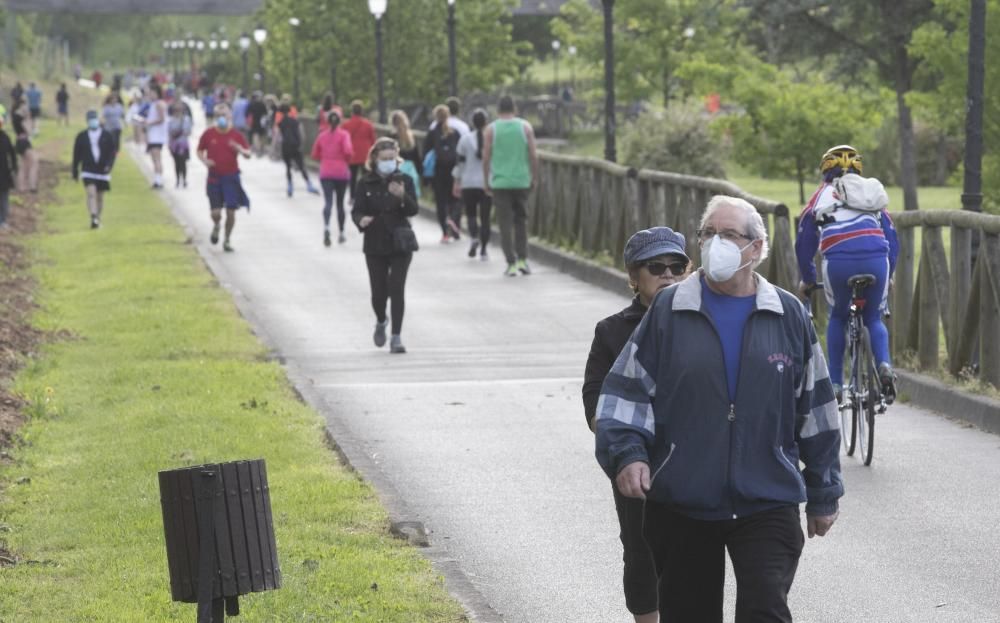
(294, 22)
(452, 64)
(610, 152)
(244, 42)
(377, 9)
(555, 58)
(260, 36)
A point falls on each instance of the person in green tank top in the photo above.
(510, 171)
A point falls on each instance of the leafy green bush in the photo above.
(678, 140)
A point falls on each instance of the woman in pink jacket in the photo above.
(333, 151)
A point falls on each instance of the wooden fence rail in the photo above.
(592, 206)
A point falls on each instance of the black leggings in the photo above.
(180, 165)
(447, 206)
(387, 275)
(329, 186)
(290, 156)
(478, 206)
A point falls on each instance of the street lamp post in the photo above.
(294, 22)
(572, 67)
(610, 153)
(244, 47)
(166, 54)
(452, 70)
(377, 9)
(972, 186)
(555, 58)
(260, 36)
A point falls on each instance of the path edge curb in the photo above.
(929, 393)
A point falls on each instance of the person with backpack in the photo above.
(469, 186)
(846, 219)
(333, 150)
(442, 141)
(292, 136)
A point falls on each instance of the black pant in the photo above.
(329, 186)
(478, 206)
(639, 576)
(387, 275)
(290, 156)
(180, 165)
(690, 558)
(448, 208)
(357, 170)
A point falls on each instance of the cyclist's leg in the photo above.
(836, 272)
(876, 294)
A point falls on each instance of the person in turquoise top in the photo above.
(510, 170)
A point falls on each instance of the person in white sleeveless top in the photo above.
(156, 132)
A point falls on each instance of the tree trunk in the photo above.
(802, 181)
(941, 160)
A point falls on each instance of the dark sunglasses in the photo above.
(658, 268)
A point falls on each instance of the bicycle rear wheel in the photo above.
(870, 389)
(852, 394)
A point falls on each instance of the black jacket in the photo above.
(390, 212)
(83, 157)
(8, 163)
(610, 337)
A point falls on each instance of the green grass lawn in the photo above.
(161, 372)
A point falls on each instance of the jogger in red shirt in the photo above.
(218, 148)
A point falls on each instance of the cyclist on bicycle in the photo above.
(855, 237)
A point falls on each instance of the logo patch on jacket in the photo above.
(780, 360)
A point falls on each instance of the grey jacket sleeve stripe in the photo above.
(822, 415)
(628, 392)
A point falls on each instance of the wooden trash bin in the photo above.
(219, 535)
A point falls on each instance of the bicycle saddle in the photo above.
(861, 281)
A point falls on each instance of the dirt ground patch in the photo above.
(18, 339)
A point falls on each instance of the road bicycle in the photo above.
(862, 393)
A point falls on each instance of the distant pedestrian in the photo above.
(240, 104)
(442, 140)
(218, 149)
(323, 114)
(62, 104)
(655, 259)
(156, 132)
(34, 96)
(386, 199)
(16, 93)
(179, 136)
(454, 117)
(362, 138)
(135, 119)
(257, 120)
(409, 149)
(208, 103)
(8, 175)
(292, 136)
(470, 186)
(27, 179)
(510, 168)
(113, 114)
(93, 158)
(333, 150)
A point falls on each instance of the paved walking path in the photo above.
(480, 429)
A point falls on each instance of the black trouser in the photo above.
(690, 558)
(357, 170)
(639, 577)
(447, 206)
(478, 206)
(180, 164)
(329, 186)
(387, 275)
(293, 155)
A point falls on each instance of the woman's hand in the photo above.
(397, 189)
(366, 221)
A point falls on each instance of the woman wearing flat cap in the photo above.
(655, 258)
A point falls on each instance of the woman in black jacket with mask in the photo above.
(385, 200)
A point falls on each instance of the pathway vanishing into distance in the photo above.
(479, 429)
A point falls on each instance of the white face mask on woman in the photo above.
(386, 167)
(721, 258)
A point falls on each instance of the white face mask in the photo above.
(721, 259)
(386, 167)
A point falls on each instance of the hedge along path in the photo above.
(163, 373)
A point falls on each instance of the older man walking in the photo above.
(718, 396)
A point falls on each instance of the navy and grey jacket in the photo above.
(83, 157)
(666, 402)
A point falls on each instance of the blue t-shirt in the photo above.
(729, 313)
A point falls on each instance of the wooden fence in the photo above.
(592, 206)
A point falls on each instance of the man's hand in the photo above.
(487, 189)
(819, 526)
(633, 480)
(366, 221)
(397, 189)
(208, 162)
